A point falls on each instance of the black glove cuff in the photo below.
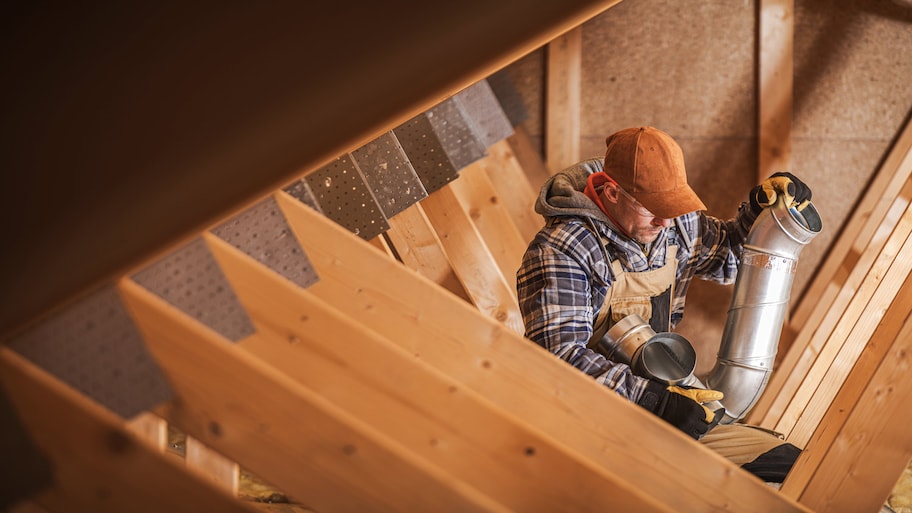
(755, 207)
(654, 396)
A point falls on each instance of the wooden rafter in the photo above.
(562, 123)
(99, 463)
(776, 55)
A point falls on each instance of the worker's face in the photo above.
(641, 224)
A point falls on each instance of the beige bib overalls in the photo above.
(636, 292)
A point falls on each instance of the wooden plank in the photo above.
(485, 207)
(777, 28)
(528, 156)
(519, 376)
(150, 427)
(864, 222)
(825, 458)
(99, 464)
(848, 337)
(279, 429)
(417, 246)
(862, 463)
(435, 416)
(212, 465)
(790, 373)
(380, 244)
(562, 114)
(516, 192)
(471, 259)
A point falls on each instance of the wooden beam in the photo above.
(519, 376)
(562, 92)
(434, 417)
(471, 259)
(270, 123)
(849, 336)
(152, 428)
(861, 447)
(485, 207)
(418, 247)
(776, 53)
(99, 464)
(212, 465)
(530, 158)
(285, 432)
(516, 192)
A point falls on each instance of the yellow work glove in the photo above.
(700, 396)
(681, 407)
(795, 192)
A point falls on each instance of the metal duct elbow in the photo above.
(759, 304)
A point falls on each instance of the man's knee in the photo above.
(773, 465)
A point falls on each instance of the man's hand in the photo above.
(795, 192)
(681, 407)
(700, 396)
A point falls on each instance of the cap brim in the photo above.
(671, 204)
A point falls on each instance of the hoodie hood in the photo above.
(562, 194)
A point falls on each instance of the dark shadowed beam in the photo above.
(128, 127)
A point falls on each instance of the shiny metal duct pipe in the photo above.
(750, 338)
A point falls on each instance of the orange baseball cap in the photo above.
(649, 165)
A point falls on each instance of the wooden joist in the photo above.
(528, 158)
(517, 188)
(850, 336)
(775, 56)
(562, 128)
(864, 437)
(211, 465)
(287, 125)
(839, 276)
(485, 206)
(471, 260)
(99, 464)
(418, 247)
(282, 430)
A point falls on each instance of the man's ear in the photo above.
(610, 193)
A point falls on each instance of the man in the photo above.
(626, 235)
